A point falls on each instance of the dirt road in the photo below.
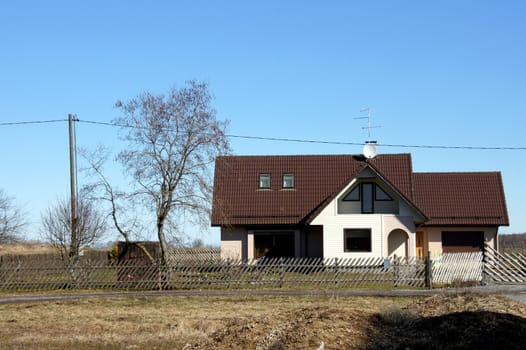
(516, 292)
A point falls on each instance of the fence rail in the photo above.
(449, 268)
(206, 270)
(214, 274)
(505, 267)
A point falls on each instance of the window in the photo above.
(380, 194)
(367, 193)
(288, 181)
(264, 181)
(367, 198)
(354, 195)
(357, 240)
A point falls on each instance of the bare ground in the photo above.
(439, 322)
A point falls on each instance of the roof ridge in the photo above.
(454, 172)
(311, 155)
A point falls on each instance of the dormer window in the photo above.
(288, 181)
(264, 181)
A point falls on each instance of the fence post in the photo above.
(429, 271)
(396, 270)
(282, 277)
(229, 273)
(336, 271)
(484, 281)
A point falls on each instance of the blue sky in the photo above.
(447, 73)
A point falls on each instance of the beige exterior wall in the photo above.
(234, 243)
(404, 223)
(433, 236)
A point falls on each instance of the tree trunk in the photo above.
(164, 275)
(162, 241)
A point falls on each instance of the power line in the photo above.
(34, 122)
(105, 123)
(263, 138)
(279, 139)
(294, 140)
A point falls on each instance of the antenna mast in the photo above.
(369, 150)
(368, 127)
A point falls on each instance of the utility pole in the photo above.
(73, 252)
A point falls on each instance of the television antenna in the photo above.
(369, 149)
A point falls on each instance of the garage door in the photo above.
(462, 241)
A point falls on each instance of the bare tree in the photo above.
(172, 143)
(118, 205)
(12, 219)
(56, 227)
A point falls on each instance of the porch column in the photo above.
(250, 245)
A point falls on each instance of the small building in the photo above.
(134, 265)
(351, 206)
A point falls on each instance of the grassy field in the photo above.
(463, 321)
(261, 322)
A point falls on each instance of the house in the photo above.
(351, 206)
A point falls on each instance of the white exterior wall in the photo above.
(406, 210)
(333, 244)
(380, 224)
(334, 224)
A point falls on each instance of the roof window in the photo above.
(288, 181)
(264, 181)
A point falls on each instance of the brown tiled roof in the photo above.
(238, 201)
(442, 198)
(465, 199)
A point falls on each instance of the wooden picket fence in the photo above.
(215, 274)
(452, 268)
(504, 267)
(490, 266)
(190, 269)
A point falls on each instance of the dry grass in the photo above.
(26, 248)
(152, 323)
(258, 322)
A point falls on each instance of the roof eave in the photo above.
(398, 192)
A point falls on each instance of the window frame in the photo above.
(373, 196)
(368, 248)
(389, 198)
(261, 178)
(355, 188)
(363, 203)
(290, 176)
